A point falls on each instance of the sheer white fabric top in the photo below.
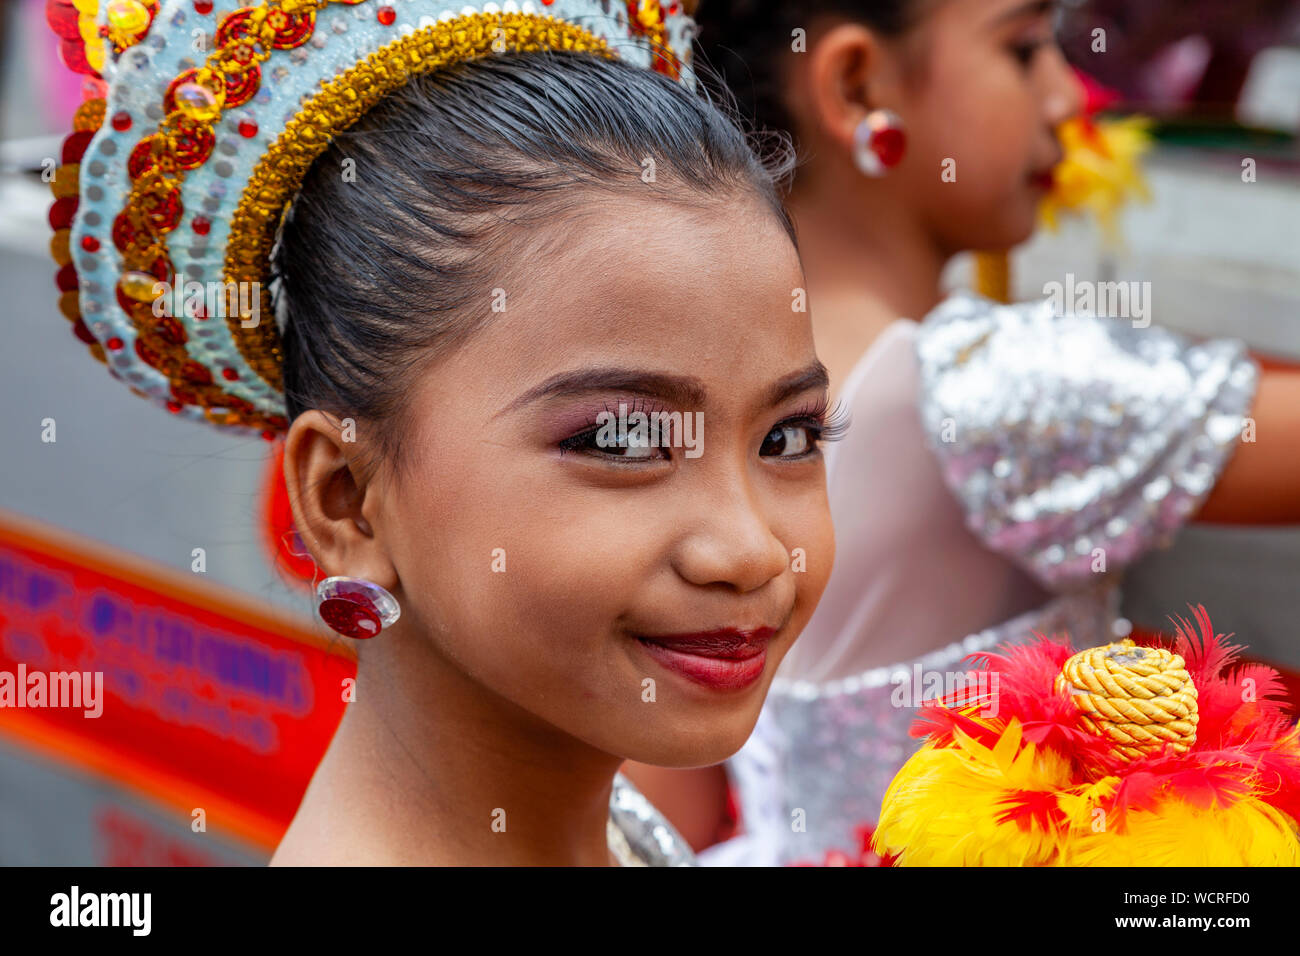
(1001, 464)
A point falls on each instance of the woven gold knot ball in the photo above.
(1139, 698)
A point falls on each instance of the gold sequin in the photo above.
(65, 182)
(60, 250)
(89, 116)
(70, 306)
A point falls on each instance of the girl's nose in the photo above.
(1065, 94)
(732, 544)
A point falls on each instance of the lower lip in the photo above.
(720, 673)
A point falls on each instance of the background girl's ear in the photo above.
(846, 73)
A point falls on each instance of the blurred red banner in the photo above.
(208, 700)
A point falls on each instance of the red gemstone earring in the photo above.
(354, 607)
(879, 142)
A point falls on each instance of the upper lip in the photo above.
(725, 642)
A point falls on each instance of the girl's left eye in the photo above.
(791, 440)
(801, 435)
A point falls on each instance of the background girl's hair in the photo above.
(409, 221)
(743, 42)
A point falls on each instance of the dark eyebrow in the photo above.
(677, 389)
(1033, 8)
(680, 390)
(814, 376)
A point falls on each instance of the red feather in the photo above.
(1208, 787)
(1227, 714)
(938, 723)
(1212, 777)
(1206, 653)
(1277, 767)
(1032, 809)
(1136, 790)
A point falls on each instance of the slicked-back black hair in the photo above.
(406, 223)
(743, 42)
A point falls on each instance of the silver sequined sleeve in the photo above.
(650, 836)
(1076, 443)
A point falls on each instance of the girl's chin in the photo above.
(685, 761)
(1012, 230)
(721, 746)
(1002, 228)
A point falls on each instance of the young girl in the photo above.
(1004, 462)
(500, 238)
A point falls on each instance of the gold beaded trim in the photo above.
(1139, 698)
(340, 103)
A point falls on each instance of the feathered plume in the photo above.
(1119, 755)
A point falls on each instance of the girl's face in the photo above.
(984, 102)
(638, 599)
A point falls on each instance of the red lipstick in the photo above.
(726, 659)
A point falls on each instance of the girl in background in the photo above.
(1004, 463)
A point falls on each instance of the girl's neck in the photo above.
(873, 253)
(866, 266)
(428, 767)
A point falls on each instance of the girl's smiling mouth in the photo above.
(724, 659)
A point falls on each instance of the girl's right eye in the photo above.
(1025, 52)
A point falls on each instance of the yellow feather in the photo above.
(1100, 172)
(942, 808)
(1247, 833)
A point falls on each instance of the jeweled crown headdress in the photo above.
(202, 117)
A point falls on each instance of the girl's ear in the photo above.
(846, 74)
(331, 491)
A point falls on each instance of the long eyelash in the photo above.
(574, 442)
(831, 423)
